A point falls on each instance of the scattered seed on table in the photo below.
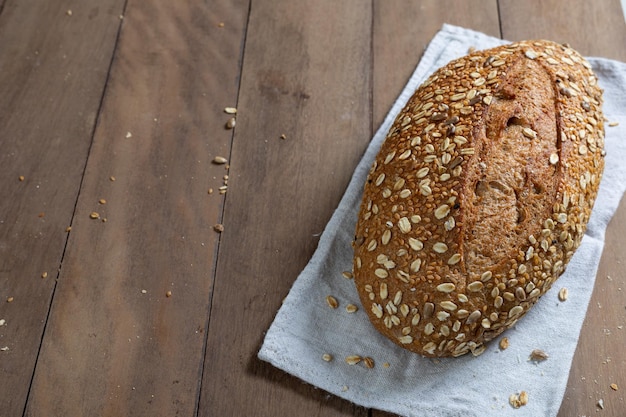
(230, 110)
(68, 229)
(601, 403)
(111, 178)
(9, 299)
(504, 343)
(210, 191)
(538, 355)
(69, 12)
(168, 294)
(369, 362)
(353, 359)
(613, 124)
(44, 275)
(102, 201)
(331, 301)
(4, 349)
(283, 136)
(129, 135)
(351, 308)
(347, 274)
(614, 386)
(523, 398)
(219, 160)
(231, 123)
(218, 228)
(518, 400)
(2, 322)
(144, 291)
(21, 178)
(563, 293)
(94, 215)
(327, 357)
(220, 25)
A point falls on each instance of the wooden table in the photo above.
(114, 109)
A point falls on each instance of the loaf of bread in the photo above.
(479, 196)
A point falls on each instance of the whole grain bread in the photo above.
(479, 196)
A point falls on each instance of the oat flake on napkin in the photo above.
(305, 327)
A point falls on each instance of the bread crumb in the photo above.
(518, 400)
(220, 25)
(327, 357)
(129, 135)
(231, 123)
(168, 294)
(144, 291)
(102, 201)
(68, 12)
(218, 228)
(283, 136)
(94, 215)
(9, 299)
(538, 355)
(111, 178)
(600, 403)
(2, 322)
(504, 343)
(614, 386)
(4, 349)
(44, 275)
(21, 178)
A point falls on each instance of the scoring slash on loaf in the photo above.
(479, 196)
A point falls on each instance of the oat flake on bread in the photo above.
(479, 196)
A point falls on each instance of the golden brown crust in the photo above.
(479, 196)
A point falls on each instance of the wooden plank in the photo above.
(592, 28)
(305, 75)
(53, 69)
(596, 29)
(402, 31)
(111, 349)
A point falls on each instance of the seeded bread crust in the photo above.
(479, 196)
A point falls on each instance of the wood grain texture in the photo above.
(53, 69)
(595, 29)
(305, 75)
(116, 344)
(401, 32)
(87, 340)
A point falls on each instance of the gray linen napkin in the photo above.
(405, 383)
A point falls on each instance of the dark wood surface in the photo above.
(147, 310)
